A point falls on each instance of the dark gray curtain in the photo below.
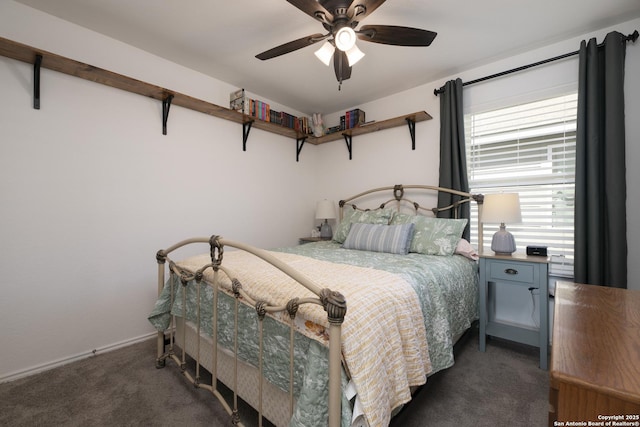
(453, 162)
(600, 209)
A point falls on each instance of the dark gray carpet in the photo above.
(502, 387)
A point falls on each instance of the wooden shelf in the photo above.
(64, 65)
(419, 116)
(61, 64)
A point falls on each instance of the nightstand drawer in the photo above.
(511, 271)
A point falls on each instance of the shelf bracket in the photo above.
(412, 130)
(36, 82)
(349, 141)
(166, 104)
(246, 128)
(299, 143)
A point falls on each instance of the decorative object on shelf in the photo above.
(318, 125)
(326, 209)
(502, 208)
(340, 18)
(238, 101)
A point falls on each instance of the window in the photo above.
(529, 149)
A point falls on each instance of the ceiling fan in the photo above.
(340, 18)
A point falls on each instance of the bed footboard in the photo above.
(333, 303)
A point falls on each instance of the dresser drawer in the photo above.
(511, 271)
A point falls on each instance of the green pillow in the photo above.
(378, 216)
(433, 236)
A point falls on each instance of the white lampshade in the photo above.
(325, 53)
(354, 55)
(325, 209)
(502, 208)
(345, 38)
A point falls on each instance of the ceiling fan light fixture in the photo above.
(354, 55)
(345, 38)
(325, 53)
(340, 18)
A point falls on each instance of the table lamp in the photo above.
(325, 209)
(502, 208)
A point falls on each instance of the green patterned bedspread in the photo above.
(446, 287)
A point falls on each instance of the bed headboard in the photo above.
(401, 197)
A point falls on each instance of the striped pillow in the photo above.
(394, 239)
(376, 216)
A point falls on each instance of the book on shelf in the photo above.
(333, 129)
(352, 119)
(356, 117)
(238, 101)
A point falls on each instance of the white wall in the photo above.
(90, 189)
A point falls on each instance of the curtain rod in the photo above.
(631, 37)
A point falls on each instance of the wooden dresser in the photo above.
(595, 356)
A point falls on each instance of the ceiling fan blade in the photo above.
(291, 46)
(399, 36)
(341, 65)
(314, 9)
(360, 9)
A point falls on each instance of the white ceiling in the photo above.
(221, 38)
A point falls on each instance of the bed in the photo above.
(337, 332)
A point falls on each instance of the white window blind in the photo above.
(529, 149)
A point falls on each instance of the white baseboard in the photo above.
(64, 361)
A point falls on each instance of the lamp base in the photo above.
(503, 242)
(325, 231)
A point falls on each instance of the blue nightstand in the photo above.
(515, 270)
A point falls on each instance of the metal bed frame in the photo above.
(332, 302)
